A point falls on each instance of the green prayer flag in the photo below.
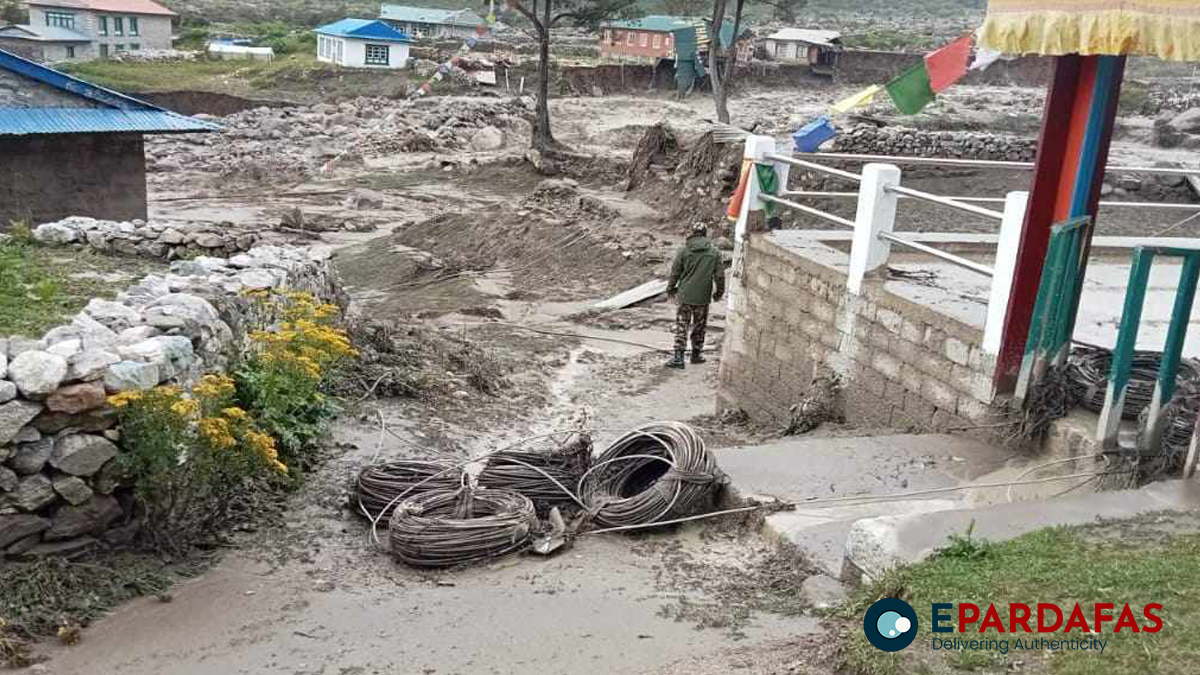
(768, 182)
(911, 92)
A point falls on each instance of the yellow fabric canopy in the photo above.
(1168, 29)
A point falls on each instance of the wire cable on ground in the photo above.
(460, 527)
(1088, 370)
(655, 472)
(549, 478)
(379, 485)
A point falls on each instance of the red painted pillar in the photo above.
(1081, 108)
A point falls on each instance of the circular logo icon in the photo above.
(890, 625)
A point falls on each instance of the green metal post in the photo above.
(1122, 360)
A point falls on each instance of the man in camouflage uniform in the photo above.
(697, 278)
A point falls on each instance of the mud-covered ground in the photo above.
(476, 246)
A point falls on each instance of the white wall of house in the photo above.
(352, 53)
(784, 50)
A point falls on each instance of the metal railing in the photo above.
(986, 163)
(814, 194)
(938, 253)
(809, 210)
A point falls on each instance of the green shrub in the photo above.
(282, 381)
(195, 461)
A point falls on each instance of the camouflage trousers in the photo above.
(693, 319)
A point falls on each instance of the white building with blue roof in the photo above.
(362, 43)
(71, 148)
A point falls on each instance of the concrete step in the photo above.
(807, 469)
(881, 543)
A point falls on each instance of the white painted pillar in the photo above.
(1015, 204)
(757, 147)
(876, 213)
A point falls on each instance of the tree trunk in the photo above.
(543, 138)
(714, 72)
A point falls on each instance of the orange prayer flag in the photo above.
(739, 195)
(948, 64)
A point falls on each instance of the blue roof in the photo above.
(447, 17)
(117, 112)
(363, 29)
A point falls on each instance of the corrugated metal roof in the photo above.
(814, 37)
(42, 34)
(365, 29)
(122, 6)
(659, 23)
(28, 121)
(447, 17)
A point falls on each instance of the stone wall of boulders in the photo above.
(60, 490)
(153, 240)
(869, 139)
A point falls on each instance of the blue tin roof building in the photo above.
(71, 148)
(363, 29)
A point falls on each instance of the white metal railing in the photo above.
(809, 210)
(878, 196)
(816, 194)
(986, 163)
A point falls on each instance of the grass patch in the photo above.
(1150, 559)
(41, 287)
(295, 76)
(54, 597)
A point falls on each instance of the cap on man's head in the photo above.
(699, 228)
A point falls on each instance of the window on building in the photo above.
(133, 26)
(70, 52)
(103, 51)
(629, 38)
(119, 48)
(669, 40)
(60, 19)
(134, 47)
(118, 26)
(377, 55)
(607, 35)
(340, 45)
(657, 41)
(104, 25)
(645, 39)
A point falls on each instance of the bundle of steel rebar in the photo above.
(381, 487)
(448, 528)
(1088, 371)
(548, 478)
(657, 472)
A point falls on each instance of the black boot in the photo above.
(677, 360)
(698, 356)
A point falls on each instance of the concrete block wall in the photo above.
(902, 365)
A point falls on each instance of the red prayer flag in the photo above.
(948, 64)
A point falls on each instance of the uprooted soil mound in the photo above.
(554, 238)
(696, 177)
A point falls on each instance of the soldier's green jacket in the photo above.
(697, 270)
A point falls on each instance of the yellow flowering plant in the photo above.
(193, 459)
(281, 380)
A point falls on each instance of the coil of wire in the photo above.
(381, 487)
(657, 472)
(548, 478)
(1088, 371)
(448, 528)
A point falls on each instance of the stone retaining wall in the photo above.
(152, 240)
(59, 490)
(902, 364)
(899, 141)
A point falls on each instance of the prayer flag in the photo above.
(860, 99)
(948, 64)
(911, 91)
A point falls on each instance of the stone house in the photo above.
(71, 148)
(818, 48)
(44, 44)
(362, 43)
(426, 23)
(88, 29)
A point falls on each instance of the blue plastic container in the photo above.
(812, 135)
